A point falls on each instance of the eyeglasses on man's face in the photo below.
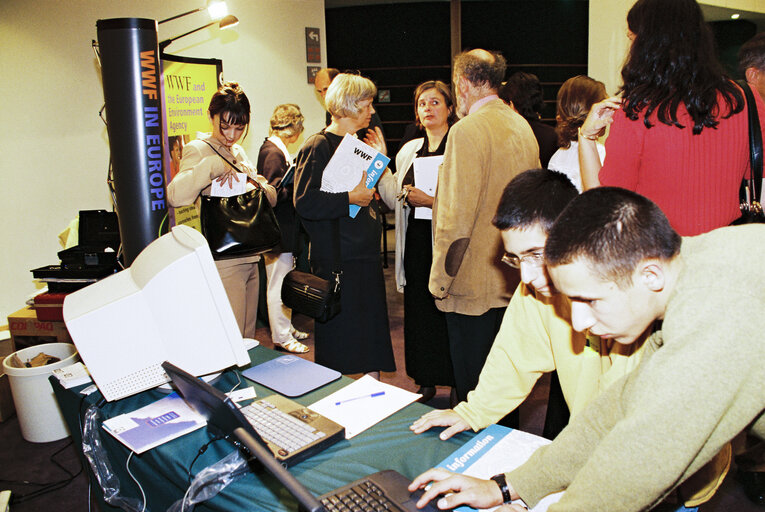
(536, 258)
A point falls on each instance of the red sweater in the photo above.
(694, 179)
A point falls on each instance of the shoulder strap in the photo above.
(335, 236)
(755, 144)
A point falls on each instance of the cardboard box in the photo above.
(6, 400)
(27, 330)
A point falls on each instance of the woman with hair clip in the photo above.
(213, 158)
(680, 129)
(576, 97)
(426, 344)
(274, 161)
(357, 340)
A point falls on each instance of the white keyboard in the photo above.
(280, 428)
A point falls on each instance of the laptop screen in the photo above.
(223, 415)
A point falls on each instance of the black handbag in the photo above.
(751, 188)
(310, 294)
(242, 225)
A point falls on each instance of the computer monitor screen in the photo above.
(169, 305)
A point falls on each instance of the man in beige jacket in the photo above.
(484, 151)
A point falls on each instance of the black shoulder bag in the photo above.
(310, 294)
(237, 226)
(751, 187)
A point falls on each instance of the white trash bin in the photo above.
(40, 418)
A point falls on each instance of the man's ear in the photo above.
(652, 275)
(751, 73)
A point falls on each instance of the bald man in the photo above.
(487, 148)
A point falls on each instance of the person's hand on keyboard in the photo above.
(465, 490)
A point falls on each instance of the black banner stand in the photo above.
(131, 78)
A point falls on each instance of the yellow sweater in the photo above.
(536, 337)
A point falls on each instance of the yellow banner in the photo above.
(188, 85)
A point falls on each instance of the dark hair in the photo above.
(441, 87)
(575, 98)
(672, 61)
(536, 196)
(525, 91)
(481, 67)
(230, 98)
(752, 53)
(614, 229)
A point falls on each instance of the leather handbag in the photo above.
(242, 225)
(751, 187)
(310, 294)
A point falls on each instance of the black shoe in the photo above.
(753, 484)
(427, 392)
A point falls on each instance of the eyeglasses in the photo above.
(536, 258)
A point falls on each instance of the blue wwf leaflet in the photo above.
(343, 171)
(496, 449)
(154, 424)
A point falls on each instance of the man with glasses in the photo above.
(536, 335)
(700, 381)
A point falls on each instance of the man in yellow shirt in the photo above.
(536, 335)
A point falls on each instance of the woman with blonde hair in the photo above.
(274, 160)
(576, 97)
(357, 340)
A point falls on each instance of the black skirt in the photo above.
(426, 344)
(358, 339)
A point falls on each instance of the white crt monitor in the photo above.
(170, 305)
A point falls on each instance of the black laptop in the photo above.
(383, 489)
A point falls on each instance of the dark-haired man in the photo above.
(701, 380)
(536, 335)
(487, 148)
(751, 60)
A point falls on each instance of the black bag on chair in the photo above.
(751, 188)
(310, 294)
(240, 225)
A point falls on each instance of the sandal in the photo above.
(293, 346)
(299, 335)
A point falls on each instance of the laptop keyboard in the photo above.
(365, 496)
(280, 428)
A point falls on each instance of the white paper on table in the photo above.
(426, 179)
(358, 410)
(238, 186)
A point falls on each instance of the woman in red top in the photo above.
(680, 130)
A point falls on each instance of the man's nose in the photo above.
(581, 316)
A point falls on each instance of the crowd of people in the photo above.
(599, 250)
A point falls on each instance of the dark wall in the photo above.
(411, 42)
(730, 35)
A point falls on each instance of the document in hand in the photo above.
(497, 449)
(363, 403)
(426, 179)
(343, 172)
(154, 424)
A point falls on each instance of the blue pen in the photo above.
(379, 393)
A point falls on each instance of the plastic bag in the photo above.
(211, 480)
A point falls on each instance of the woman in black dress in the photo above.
(426, 345)
(358, 339)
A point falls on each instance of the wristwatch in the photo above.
(502, 483)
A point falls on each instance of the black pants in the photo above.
(470, 339)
